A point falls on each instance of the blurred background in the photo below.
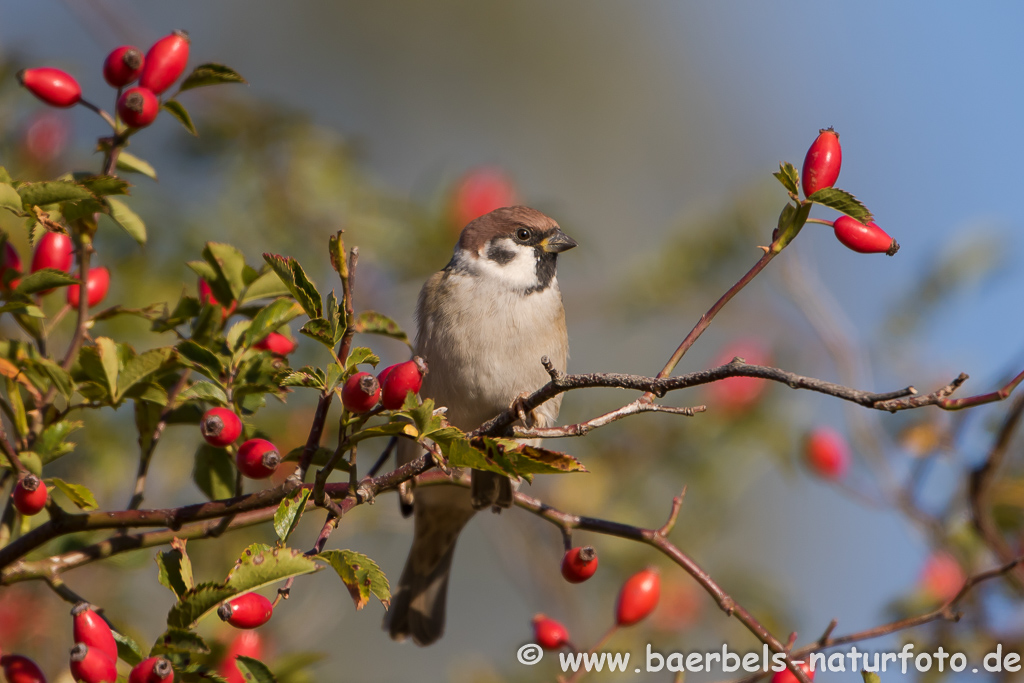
(650, 132)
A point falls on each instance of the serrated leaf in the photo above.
(47, 278)
(460, 453)
(175, 568)
(210, 74)
(237, 332)
(102, 185)
(422, 414)
(133, 164)
(177, 640)
(29, 309)
(58, 375)
(359, 355)
(127, 219)
(140, 368)
(30, 461)
(334, 376)
(788, 176)
(537, 460)
(289, 512)
(76, 493)
(842, 201)
(320, 457)
(334, 316)
(107, 350)
(294, 278)
(791, 221)
(201, 357)
(336, 247)
(360, 574)
(214, 472)
(320, 330)
(270, 318)
(10, 199)
(52, 442)
(396, 428)
(52, 191)
(371, 322)
(204, 391)
(257, 567)
(178, 111)
(254, 670)
(267, 286)
(128, 649)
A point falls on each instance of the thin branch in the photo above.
(580, 429)
(147, 454)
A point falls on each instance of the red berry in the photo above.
(787, 676)
(54, 250)
(152, 670)
(91, 665)
(737, 394)
(866, 239)
(138, 107)
(206, 296)
(398, 380)
(246, 644)
(479, 192)
(942, 577)
(579, 564)
(20, 669)
(361, 393)
(164, 62)
(123, 66)
(247, 611)
(638, 597)
(10, 260)
(53, 86)
(822, 163)
(276, 343)
(96, 287)
(91, 629)
(548, 633)
(827, 453)
(220, 427)
(257, 458)
(30, 495)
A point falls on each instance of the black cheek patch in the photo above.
(499, 255)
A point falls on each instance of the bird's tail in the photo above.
(490, 489)
(418, 606)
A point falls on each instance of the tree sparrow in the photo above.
(483, 324)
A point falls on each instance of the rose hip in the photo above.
(55, 87)
(548, 633)
(91, 665)
(360, 393)
(827, 453)
(277, 344)
(54, 250)
(152, 670)
(579, 564)
(138, 107)
(638, 597)
(257, 458)
(89, 627)
(30, 495)
(164, 62)
(21, 669)
(865, 239)
(220, 427)
(250, 610)
(96, 287)
(398, 380)
(123, 66)
(822, 163)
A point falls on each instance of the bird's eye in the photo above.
(523, 234)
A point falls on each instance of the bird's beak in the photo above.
(557, 242)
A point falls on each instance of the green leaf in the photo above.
(257, 567)
(870, 677)
(202, 358)
(210, 74)
(41, 280)
(127, 219)
(294, 278)
(254, 670)
(214, 472)
(133, 164)
(141, 367)
(228, 262)
(289, 512)
(10, 199)
(52, 191)
(204, 391)
(236, 333)
(178, 111)
(371, 322)
(788, 176)
(29, 309)
(267, 286)
(358, 355)
(309, 377)
(334, 316)
(791, 221)
(178, 640)
(334, 376)
(175, 568)
(58, 375)
(52, 442)
(842, 201)
(270, 318)
(336, 247)
(5, 177)
(31, 462)
(537, 460)
(460, 453)
(360, 574)
(128, 649)
(103, 185)
(320, 457)
(108, 358)
(78, 494)
(319, 329)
